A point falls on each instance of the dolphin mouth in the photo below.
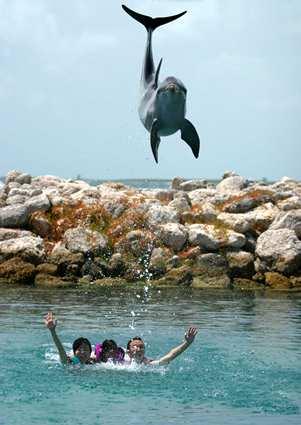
(173, 88)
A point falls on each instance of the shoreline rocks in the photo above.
(63, 233)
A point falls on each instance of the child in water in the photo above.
(108, 350)
(136, 350)
(82, 348)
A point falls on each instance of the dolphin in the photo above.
(162, 107)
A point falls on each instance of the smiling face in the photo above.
(83, 352)
(136, 350)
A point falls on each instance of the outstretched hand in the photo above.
(50, 321)
(190, 334)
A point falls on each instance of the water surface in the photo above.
(244, 367)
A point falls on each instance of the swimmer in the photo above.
(136, 350)
(108, 351)
(81, 346)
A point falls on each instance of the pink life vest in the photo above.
(118, 358)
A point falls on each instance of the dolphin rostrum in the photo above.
(163, 105)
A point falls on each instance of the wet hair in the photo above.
(79, 341)
(133, 339)
(107, 345)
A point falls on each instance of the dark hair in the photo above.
(107, 345)
(79, 341)
(133, 339)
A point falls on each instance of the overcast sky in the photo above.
(69, 86)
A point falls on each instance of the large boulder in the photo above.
(180, 276)
(247, 199)
(291, 203)
(277, 281)
(241, 264)
(288, 220)
(157, 262)
(6, 234)
(14, 216)
(29, 248)
(15, 270)
(232, 184)
(212, 238)
(83, 240)
(211, 271)
(278, 250)
(173, 235)
(180, 204)
(160, 214)
(38, 203)
(257, 220)
(65, 260)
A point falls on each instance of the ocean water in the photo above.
(243, 368)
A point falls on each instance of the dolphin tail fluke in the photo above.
(151, 23)
(190, 136)
(155, 139)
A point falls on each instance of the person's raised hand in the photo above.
(190, 334)
(49, 320)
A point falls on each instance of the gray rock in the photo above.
(199, 196)
(157, 262)
(6, 234)
(10, 186)
(14, 216)
(84, 241)
(17, 271)
(241, 264)
(257, 220)
(291, 203)
(288, 220)
(175, 184)
(229, 173)
(38, 203)
(11, 176)
(180, 204)
(164, 195)
(40, 225)
(231, 184)
(211, 271)
(212, 238)
(28, 248)
(190, 185)
(173, 235)
(23, 178)
(116, 265)
(159, 214)
(15, 200)
(278, 250)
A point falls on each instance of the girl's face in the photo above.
(137, 350)
(83, 353)
(109, 354)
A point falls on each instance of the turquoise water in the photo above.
(244, 367)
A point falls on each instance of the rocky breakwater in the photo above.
(237, 234)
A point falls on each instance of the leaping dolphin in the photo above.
(162, 107)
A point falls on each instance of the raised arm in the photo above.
(175, 352)
(50, 323)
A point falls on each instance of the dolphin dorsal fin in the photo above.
(158, 72)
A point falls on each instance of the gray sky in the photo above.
(69, 80)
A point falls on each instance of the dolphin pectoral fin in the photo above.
(155, 139)
(190, 136)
